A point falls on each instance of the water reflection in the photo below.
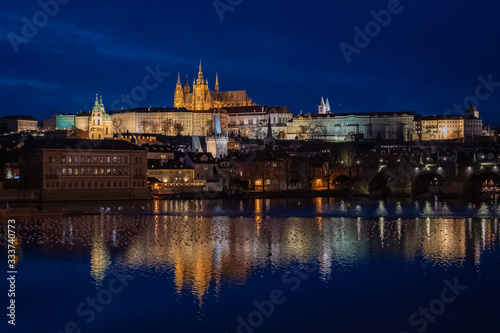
(201, 253)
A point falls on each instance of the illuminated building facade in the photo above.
(72, 169)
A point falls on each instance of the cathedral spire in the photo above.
(200, 75)
(96, 99)
(187, 89)
(217, 82)
(178, 79)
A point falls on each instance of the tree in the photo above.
(302, 132)
(261, 124)
(347, 157)
(146, 125)
(209, 127)
(166, 126)
(178, 128)
(117, 124)
(321, 130)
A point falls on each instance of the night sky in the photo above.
(428, 57)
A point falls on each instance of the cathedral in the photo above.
(202, 98)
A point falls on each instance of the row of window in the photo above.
(91, 159)
(91, 171)
(108, 184)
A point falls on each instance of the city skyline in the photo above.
(408, 64)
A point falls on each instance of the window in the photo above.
(83, 184)
(108, 171)
(95, 159)
(101, 160)
(76, 159)
(88, 159)
(108, 159)
(64, 159)
(70, 159)
(82, 171)
(76, 171)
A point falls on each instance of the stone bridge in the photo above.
(425, 179)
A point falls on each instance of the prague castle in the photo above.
(203, 99)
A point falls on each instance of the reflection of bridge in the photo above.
(404, 178)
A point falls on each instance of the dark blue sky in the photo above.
(426, 59)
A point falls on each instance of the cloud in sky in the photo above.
(426, 59)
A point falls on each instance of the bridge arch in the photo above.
(474, 184)
(423, 181)
(378, 184)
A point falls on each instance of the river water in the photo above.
(260, 265)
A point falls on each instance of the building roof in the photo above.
(149, 110)
(81, 144)
(358, 114)
(443, 117)
(256, 109)
(167, 165)
(201, 158)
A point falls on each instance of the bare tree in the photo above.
(347, 157)
(166, 126)
(263, 171)
(117, 124)
(178, 128)
(261, 124)
(209, 127)
(146, 125)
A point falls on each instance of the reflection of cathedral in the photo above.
(100, 123)
(203, 99)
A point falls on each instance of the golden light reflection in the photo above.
(202, 253)
(99, 255)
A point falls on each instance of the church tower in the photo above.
(324, 108)
(200, 90)
(179, 93)
(100, 123)
(187, 88)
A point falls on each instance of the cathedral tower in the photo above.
(179, 93)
